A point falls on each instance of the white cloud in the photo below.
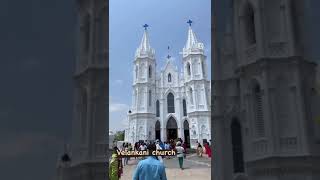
(117, 107)
(118, 81)
(125, 122)
(118, 115)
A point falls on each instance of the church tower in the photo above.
(142, 114)
(197, 88)
(88, 146)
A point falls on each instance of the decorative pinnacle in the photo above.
(189, 22)
(168, 53)
(145, 26)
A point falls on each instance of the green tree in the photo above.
(119, 136)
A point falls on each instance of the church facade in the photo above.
(170, 104)
(266, 104)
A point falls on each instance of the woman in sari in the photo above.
(200, 151)
(208, 149)
(115, 166)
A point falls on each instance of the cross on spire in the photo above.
(189, 22)
(145, 26)
(168, 53)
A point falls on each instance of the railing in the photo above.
(99, 60)
(147, 53)
(287, 143)
(195, 49)
(277, 49)
(260, 147)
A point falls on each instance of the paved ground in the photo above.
(195, 168)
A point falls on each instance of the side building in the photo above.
(86, 158)
(266, 108)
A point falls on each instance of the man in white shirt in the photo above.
(159, 148)
(180, 151)
(143, 147)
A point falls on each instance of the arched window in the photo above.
(184, 104)
(87, 33)
(170, 103)
(142, 70)
(157, 129)
(237, 152)
(191, 96)
(258, 110)
(157, 109)
(150, 71)
(150, 97)
(249, 24)
(169, 77)
(84, 109)
(136, 72)
(296, 20)
(202, 67)
(188, 69)
(195, 68)
(198, 95)
(135, 97)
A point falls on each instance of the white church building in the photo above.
(172, 103)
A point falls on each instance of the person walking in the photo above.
(166, 147)
(136, 148)
(197, 145)
(199, 148)
(185, 147)
(143, 147)
(115, 166)
(158, 147)
(150, 168)
(126, 159)
(180, 152)
(208, 149)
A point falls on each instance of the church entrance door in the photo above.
(186, 133)
(172, 129)
(157, 128)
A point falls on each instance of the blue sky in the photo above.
(167, 20)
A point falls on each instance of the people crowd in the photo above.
(152, 166)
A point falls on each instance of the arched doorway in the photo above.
(186, 133)
(83, 115)
(237, 151)
(172, 132)
(157, 128)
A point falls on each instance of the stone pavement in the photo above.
(195, 168)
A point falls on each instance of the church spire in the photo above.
(145, 48)
(145, 44)
(192, 42)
